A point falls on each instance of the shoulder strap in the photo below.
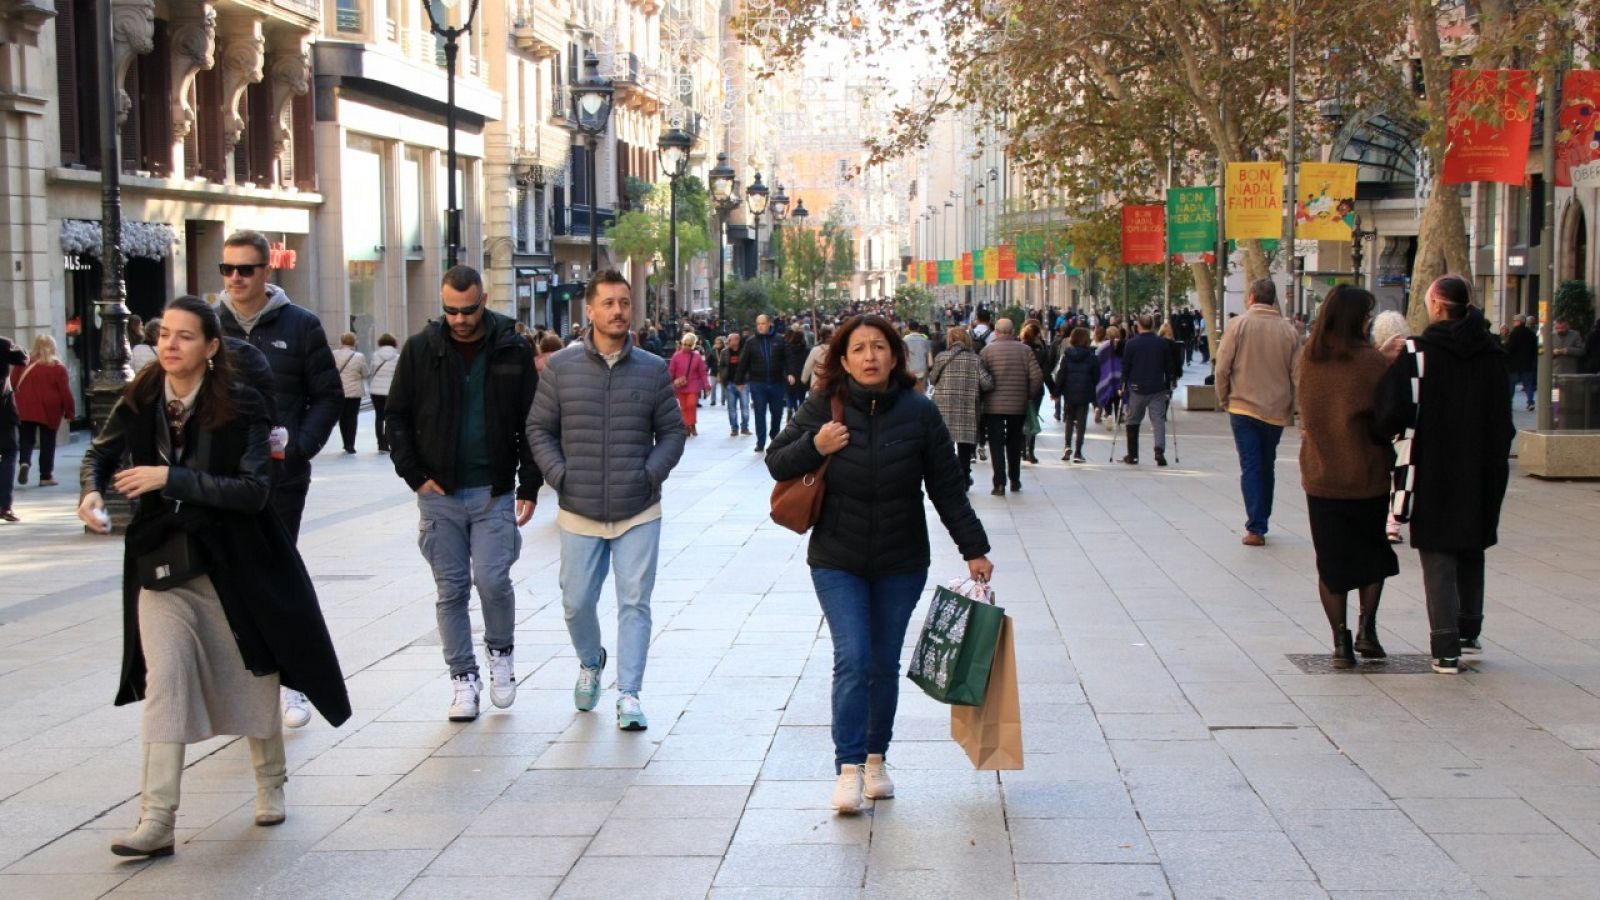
(23, 377)
(838, 409)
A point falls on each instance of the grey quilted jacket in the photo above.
(605, 437)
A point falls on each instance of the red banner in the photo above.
(1144, 234)
(930, 271)
(1578, 128)
(1008, 262)
(964, 270)
(1489, 126)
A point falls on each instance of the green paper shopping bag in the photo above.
(956, 649)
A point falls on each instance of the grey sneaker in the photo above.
(586, 694)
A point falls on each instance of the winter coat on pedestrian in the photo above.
(606, 436)
(873, 521)
(1463, 440)
(1077, 375)
(808, 371)
(763, 360)
(385, 360)
(1522, 349)
(43, 395)
(1109, 387)
(1147, 364)
(691, 367)
(422, 420)
(351, 365)
(1570, 346)
(1256, 365)
(1041, 355)
(219, 496)
(1342, 457)
(960, 379)
(1017, 377)
(306, 396)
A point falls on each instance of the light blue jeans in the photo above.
(632, 559)
(471, 537)
(737, 396)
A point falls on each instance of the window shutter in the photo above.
(259, 133)
(155, 108)
(132, 159)
(67, 80)
(305, 155)
(209, 124)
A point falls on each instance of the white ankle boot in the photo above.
(875, 778)
(158, 803)
(271, 767)
(847, 790)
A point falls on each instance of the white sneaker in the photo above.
(296, 709)
(847, 790)
(875, 778)
(464, 705)
(502, 680)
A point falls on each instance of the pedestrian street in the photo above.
(1175, 748)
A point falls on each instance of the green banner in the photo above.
(947, 271)
(1192, 220)
(1030, 248)
(977, 266)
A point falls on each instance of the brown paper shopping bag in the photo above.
(991, 732)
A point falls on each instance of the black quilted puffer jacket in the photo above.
(873, 521)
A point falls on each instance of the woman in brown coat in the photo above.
(1344, 467)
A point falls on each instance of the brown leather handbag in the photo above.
(797, 502)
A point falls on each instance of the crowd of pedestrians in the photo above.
(214, 441)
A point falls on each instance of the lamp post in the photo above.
(756, 197)
(592, 99)
(800, 215)
(673, 151)
(1358, 237)
(725, 193)
(113, 375)
(780, 212)
(451, 37)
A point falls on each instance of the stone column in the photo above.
(28, 251)
(243, 50)
(290, 71)
(194, 46)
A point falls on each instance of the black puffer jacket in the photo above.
(1078, 375)
(423, 418)
(873, 520)
(306, 394)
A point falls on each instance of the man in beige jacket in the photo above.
(1256, 368)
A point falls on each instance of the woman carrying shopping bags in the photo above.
(869, 552)
(217, 607)
(688, 371)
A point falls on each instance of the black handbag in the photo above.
(176, 561)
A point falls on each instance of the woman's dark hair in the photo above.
(550, 343)
(1341, 323)
(831, 369)
(1079, 337)
(216, 399)
(794, 336)
(1455, 292)
(387, 340)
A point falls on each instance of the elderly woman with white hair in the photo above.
(688, 370)
(1389, 324)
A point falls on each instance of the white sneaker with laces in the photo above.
(464, 704)
(875, 778)
(847, 790)
(296, 709)
(502, 680)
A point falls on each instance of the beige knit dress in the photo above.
(196, 684)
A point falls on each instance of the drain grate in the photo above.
(1394, 664)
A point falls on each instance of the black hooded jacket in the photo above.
(1464, 432)
(873, 520)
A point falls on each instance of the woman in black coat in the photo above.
(794, 366)
(1077, 376)
(869, 552)
(217, 607)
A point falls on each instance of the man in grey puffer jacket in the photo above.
(605, 430)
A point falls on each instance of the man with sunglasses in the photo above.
(306, 392)
(461, 391)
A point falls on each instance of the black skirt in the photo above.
(1352, 546)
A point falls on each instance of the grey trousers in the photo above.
(1157, 404)
(1453, 582)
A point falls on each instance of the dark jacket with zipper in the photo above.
(423, 418)
(1463, 442)
(306, 393)
(1078, 375)
(218, 494)
(873, 520)
(763, 360)
(1147, 364)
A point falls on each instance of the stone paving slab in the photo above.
(1182, 737)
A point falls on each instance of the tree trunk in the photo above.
(1441, 248)
(1205, 285)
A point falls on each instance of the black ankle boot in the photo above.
(1132, 458)
(1367, 639)
(1344, 655)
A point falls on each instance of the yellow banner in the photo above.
(1325, 201)
(991, 265)
(1255, 200)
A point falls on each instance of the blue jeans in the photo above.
(767, 399)
(1528, 381)
(632, 558)
(867, 618)
(737, 397)
(1257, 443)
(471, 537)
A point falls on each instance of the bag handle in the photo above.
(972, 589)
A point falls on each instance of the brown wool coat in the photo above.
(1340, 457)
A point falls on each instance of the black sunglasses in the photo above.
(245, 271)
(461, 310)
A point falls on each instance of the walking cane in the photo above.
(1177, 454)
(1113, 456)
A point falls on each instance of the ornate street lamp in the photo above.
(725, 194)
(114, 373)
(800, 215)
(673, 150)
(451, 37)
(591, 100)
(755, 199)
(780, 212)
